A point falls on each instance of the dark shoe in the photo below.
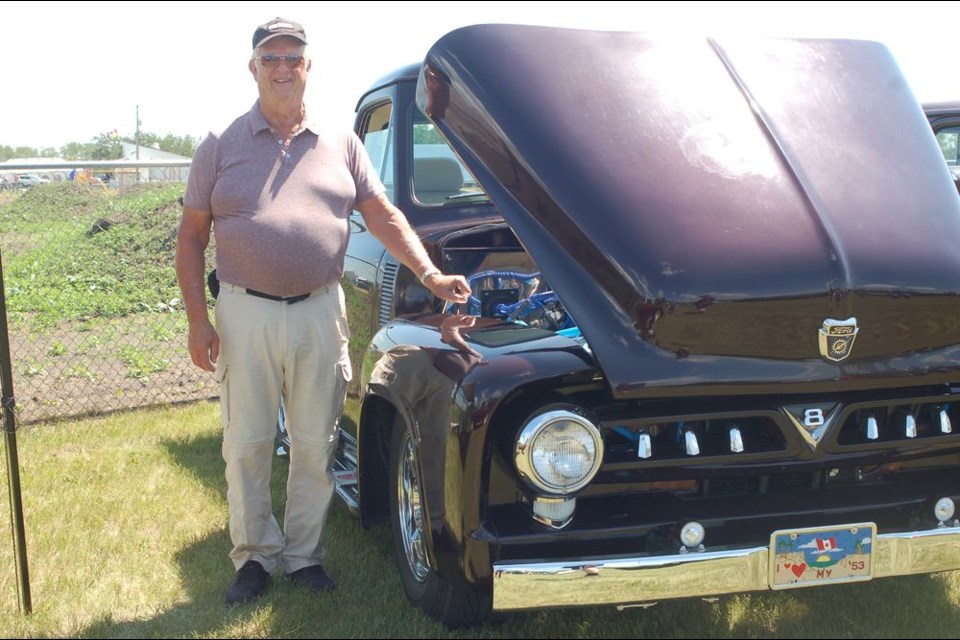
(313, 578)
(249, 584)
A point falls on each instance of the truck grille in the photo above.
(878, 424)
(787, 432)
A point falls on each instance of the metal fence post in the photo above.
(8, 405)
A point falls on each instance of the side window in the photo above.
(377, 134)
(947, 137)
(438, 176)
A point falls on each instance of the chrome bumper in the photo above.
(625, 580)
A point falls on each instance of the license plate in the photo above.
(821, 555)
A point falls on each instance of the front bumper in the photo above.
(625, 580)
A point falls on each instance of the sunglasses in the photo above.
(271, 60)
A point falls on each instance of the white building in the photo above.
(152, 174)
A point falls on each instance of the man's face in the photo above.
(280, 79)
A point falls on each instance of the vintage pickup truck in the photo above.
(713, 344)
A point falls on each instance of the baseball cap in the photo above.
(276, 28)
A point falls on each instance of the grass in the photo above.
(126, 537)
(61, 266)
(96, 321)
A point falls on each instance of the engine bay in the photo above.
(505, 281)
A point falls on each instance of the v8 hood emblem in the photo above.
(812, 420)
(836, 338)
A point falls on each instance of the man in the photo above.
(278, 189)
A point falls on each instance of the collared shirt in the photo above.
(280, 215)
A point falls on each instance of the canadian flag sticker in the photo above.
(826, 544)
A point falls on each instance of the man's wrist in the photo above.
(430, 271)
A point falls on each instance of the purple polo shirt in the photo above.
(280, 220)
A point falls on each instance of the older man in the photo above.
(278, 189)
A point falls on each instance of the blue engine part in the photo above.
(512, 295)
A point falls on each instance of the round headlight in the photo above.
(559, 452)
(692, 535)
(944, 509)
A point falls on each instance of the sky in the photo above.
(88, 68)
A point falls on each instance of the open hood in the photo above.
(709, 210)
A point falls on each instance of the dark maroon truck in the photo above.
(713, 344)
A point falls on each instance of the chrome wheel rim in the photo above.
(410, 509)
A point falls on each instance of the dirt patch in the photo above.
(76, 371)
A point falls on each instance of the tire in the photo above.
(453, 604)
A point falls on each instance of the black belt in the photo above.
(290, 300)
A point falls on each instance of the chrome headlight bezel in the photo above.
(525, 448)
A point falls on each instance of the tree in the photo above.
(948, 145)
(106, 147)
(180, 145)
(146, 139)
(77, 151)
(427, 134)
(183, 146)
(8, 152)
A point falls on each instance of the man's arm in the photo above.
(390, 226)
(192, 240)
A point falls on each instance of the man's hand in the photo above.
(204, 345)
(449, 288)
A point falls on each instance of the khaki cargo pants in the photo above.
(269, 348)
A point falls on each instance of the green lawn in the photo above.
(126, 535)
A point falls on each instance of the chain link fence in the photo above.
(94, 312)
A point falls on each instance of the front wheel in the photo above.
(452, 604)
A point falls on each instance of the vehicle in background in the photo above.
(24, 180)
(945, 119)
